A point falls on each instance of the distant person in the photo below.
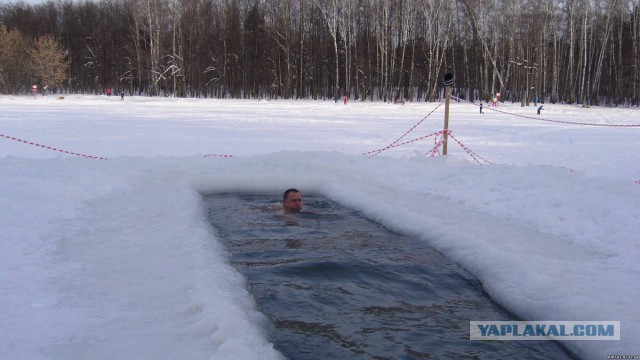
(481, 108)
(539, 109)
(109, 91)
(122, 95)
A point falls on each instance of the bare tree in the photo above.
(583, 59)
(605, 37)
(301, 88)
(438, 17)
(282, 27)
(485, 47)
(635, 35)
(150, 20)
(349, 48)
(330, 10)
(174, 68)
(384, 47)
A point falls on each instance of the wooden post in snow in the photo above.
(447, 81)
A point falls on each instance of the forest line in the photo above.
(572, 51)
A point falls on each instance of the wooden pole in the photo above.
(447, 81)
(447, 98)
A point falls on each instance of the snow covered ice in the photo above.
(114, 259)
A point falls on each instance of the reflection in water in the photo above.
(336, 285)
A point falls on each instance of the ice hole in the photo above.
(336, 285)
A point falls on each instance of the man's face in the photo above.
(293, 203)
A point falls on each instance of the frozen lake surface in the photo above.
(114, 259)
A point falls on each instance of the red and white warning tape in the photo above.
(438, 141)
(549, 120)
(83, 155)
(390, 146)
(376, 152)
(471, 153)
(52, 148)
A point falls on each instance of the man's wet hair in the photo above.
(286, 193)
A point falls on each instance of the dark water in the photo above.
(336, 285)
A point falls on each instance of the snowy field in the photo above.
(113, 258)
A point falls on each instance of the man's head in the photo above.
(292, 201)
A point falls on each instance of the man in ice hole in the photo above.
(292, 201)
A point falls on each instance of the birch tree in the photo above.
(635, 34)
(282, 29)
(438, 16)
(485, 48)
(604, 41)
(384, 47)
(330, 10)
(151, 16)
